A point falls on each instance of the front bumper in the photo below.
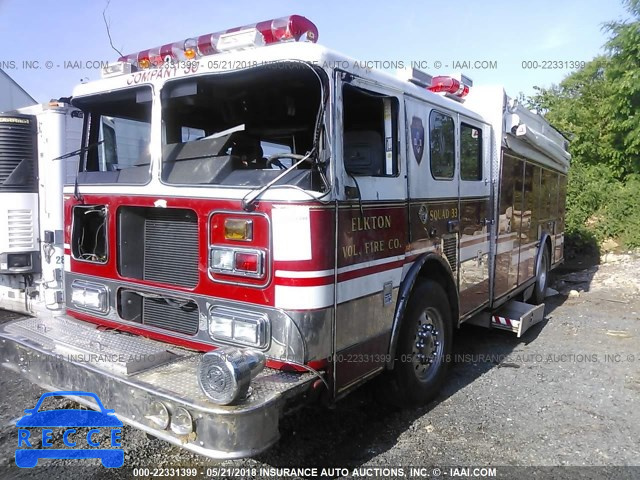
(128, 372)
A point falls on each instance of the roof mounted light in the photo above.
(292, 28)
(458, 87)
(115, 69)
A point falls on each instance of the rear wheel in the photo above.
(424, 346)
(542, 278)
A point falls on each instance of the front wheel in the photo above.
(424, 346)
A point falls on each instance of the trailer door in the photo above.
(474, 177)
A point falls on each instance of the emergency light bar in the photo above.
(292, 28)
(451, 85)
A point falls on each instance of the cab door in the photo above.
(371, 226)
(434, 212)
(474, 175)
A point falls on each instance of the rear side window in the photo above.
(470, 152)
(441, 146)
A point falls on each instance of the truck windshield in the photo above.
(224, 129)
(117, 137)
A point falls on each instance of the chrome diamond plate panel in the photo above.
(180, 376)
(115, 351)
(144, 362)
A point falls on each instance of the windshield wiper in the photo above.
(76, 190)
(248, 202)
(78, 152)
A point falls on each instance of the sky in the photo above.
(492, 42)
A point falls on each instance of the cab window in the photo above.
(442, 146)
(370, 132)
(470, 152)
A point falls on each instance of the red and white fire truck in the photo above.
(259, 221)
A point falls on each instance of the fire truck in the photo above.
(33, 169)
(259, 222)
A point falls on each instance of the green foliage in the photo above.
(621, 213)
(598, 108)
(589, 188)
(623, 74)
(601, 206)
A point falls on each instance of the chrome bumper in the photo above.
(128, 372)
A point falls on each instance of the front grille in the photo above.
(450, 250)
(18, 168)
(171, 247)
(178, 316)
(20, 229)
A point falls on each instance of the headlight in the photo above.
(222, 259)
(225, 374)
(238, 326)
(90, 296)
(181, 421)
(158, 415)
(243, 262)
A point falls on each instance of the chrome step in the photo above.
(517, 316)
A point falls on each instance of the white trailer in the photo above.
(31, 215)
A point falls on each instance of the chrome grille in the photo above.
(20, 229)
(18, 168)
(171, 247)
(178, 315)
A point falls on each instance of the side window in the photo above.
(442, 146)
(117, 143)
(370, 132)
(470, 152)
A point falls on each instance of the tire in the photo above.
(542, 279)
(424, 346)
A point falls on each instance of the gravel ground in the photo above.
(565, 394)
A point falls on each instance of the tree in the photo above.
(623, 75)
(598, 108)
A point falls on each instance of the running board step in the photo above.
(517, 316)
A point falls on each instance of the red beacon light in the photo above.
(450, 85)
(286, 29)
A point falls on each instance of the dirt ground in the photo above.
(565, 394)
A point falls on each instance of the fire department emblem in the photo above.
(417, 138)
(423, 213)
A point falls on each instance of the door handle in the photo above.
(453, 225)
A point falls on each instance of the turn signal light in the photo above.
(238, 229)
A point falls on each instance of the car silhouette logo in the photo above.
(69, 419)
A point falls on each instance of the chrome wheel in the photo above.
(428, 344)
(424, 345)
(542, 277)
